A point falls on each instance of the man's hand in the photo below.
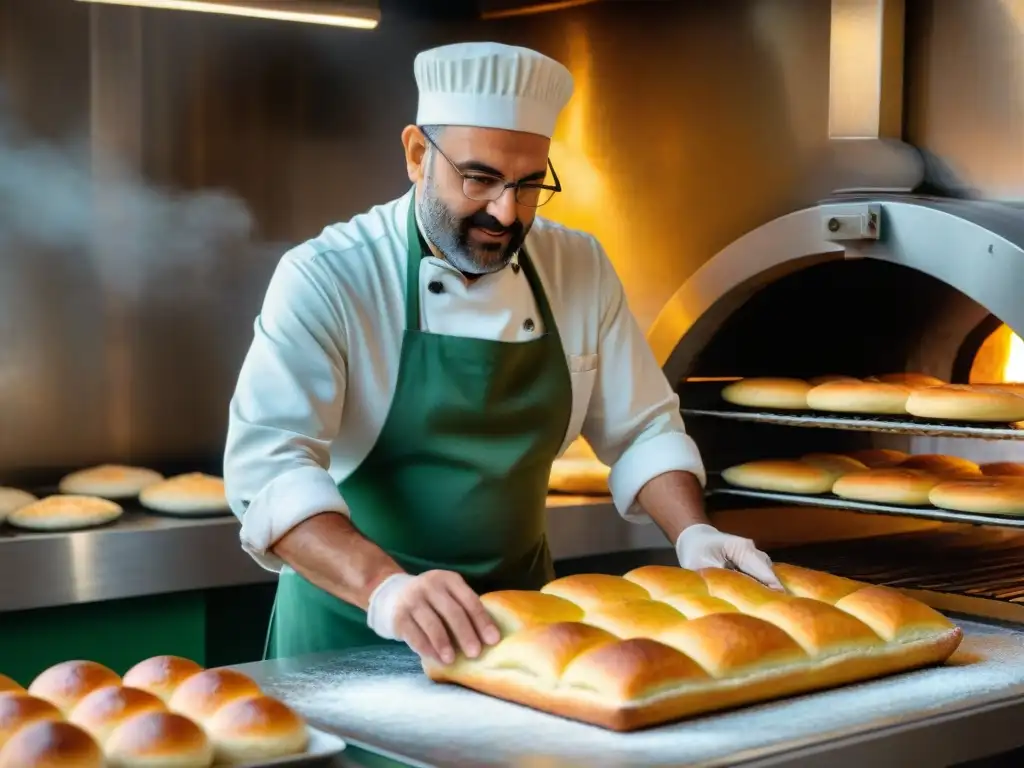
(435, 613)
(702, 546)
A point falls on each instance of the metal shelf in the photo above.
(858, 423)
(834, 502)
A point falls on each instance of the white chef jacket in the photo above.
(317, 382)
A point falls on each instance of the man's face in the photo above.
(478, 236)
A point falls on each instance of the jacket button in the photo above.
(435, 286)
(528, 324)
(515, 268)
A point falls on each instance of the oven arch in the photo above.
(973, 246)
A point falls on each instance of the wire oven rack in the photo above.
(863, 423)
(835, 502)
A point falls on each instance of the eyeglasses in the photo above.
(485, 187)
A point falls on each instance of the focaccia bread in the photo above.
(661, 643)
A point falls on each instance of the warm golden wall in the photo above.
(965, 99)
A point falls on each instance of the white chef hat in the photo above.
(491, 85)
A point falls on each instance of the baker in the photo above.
(416, 370)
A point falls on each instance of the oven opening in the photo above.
(861, 318)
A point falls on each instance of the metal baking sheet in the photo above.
(322, 747)
(378, 698)
(828, 500)
(858, 423)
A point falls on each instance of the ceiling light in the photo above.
(330, 12)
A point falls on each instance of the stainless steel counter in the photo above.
(379, 700)
(144, 554)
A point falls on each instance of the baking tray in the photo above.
(322, 747)
(900, 425)
(379, 699)
(835, 502)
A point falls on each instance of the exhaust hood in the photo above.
(336, 13)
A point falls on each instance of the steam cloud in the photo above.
(51, 199)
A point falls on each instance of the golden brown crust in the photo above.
(823, 631)
(909, 379)
(166, 737)
(7, 684)
(65, 512)
(942, 465)
(780, 475)
(161, 675)
(67, 683)
(109, 481)
(19, 709)
(51, 744)
(827, 377)
(99, 713)
(859, 397)
(1003, 469)
(879, 458)
(201, 695)
(987, 495)
(579, 475)
(255, 729)
(192, 493)
(887, 486)
(962, 402)
(12, 499)
(768, 392)
(836, 464)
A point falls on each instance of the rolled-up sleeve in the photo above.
(633, 422)
(286, 410)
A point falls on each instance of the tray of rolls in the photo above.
(101, 495)
(909, 403)
(660, 643)
(885, 480)
(164, 711)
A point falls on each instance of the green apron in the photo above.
(458, 477)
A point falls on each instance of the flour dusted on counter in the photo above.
(380, 697)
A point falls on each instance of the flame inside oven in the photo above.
(1000, 359)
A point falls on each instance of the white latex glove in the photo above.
(380, 614)
(703, 546)
(435, 613)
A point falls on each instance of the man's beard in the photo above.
(450, 235)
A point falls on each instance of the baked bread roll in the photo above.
(8, 685)
(956, 402)
(201, 695)
(887, 486)
(64, 513)
(19, 709)
(12, 499)
(942, 465)
(909, 379)
(879, 458)
(780, 476)
(109, 481)
(988, 496)
(51, 744)
(191, 494)
(822, 632)
(766, 392)
(99, 713)
(825, 378)
(256, 729)
(834, 463)
(1002, 469)
(67, 683)
(859, 397)
(161, 739)
(582, 476)
(161, 675)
